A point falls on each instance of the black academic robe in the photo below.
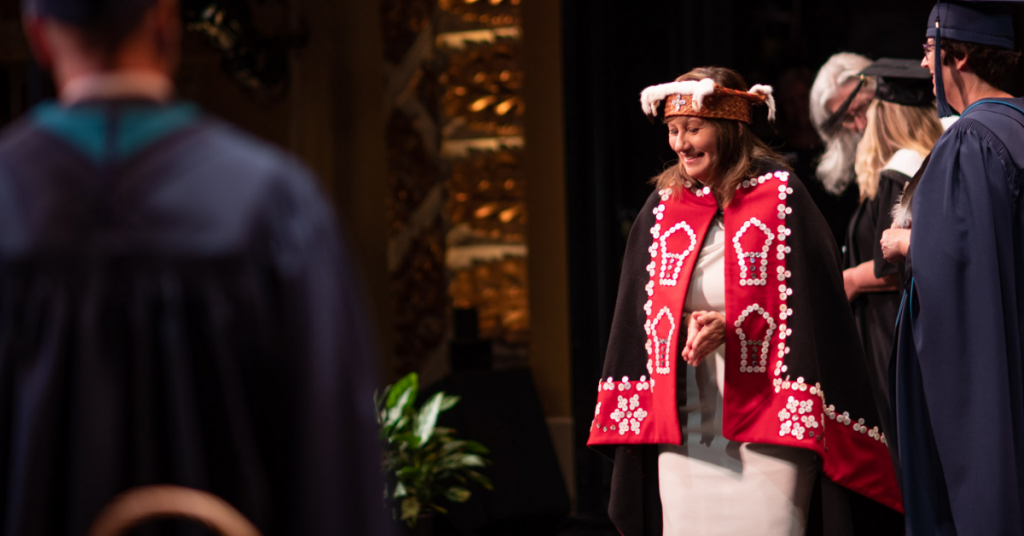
(825, 353)
(176, 307)
(957, 380)
(837, 209)
(875, 312)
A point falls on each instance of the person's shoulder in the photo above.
(1000, 119)
(902, 165)
(18, 137)
(265, 171)
(778, 168)
(761, 166)
(653, 199)
(990, 125)
(245, 152)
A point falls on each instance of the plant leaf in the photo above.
(400, 491)
(408, 382)
(378, 397)
(401, 424)
(397, 411)
(480, 479)
(452, 446)
(457, 494)
(407, 473)
(377, 410)
(410, 510)
(441, 430)
(476, 448)
(427, 420)
(472, 460)
(449, 402)
(441, 509)
(411, 440)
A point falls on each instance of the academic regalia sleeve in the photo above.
(327, 351)
(965, 325)
(890, 188)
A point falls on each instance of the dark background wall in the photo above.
(612, 50)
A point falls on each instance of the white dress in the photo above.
(710, 485)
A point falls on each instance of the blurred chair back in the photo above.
(145, 503)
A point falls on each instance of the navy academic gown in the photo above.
(176, 307)
(959, 391)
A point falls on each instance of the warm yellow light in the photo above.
(504, 107)
(482, 103)
(485, 211)
(508, 214)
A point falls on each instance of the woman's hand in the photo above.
(895, 244)
(705, 332)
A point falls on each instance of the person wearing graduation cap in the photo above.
(900, 130)
(176, 304)
(958, 374)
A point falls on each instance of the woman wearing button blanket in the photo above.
(732, 285)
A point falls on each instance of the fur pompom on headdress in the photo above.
(704, 98)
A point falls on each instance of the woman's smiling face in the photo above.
(694, 140)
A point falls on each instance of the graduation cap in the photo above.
(983, 22)
(86, 11)
(901, 81)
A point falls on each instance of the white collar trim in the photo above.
(906, 161)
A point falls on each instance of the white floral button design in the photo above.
(629, 415)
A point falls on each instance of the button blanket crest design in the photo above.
(763, 402)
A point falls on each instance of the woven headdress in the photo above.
(705, 99)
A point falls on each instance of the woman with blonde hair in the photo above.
(733, 378)
(902, 127)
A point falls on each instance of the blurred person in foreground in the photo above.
(175, 303)
(959, 388)
(839, 101)
(901, 129)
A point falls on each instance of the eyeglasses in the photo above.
(928, 47)
(855, 112)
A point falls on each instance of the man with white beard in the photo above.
(839, 101)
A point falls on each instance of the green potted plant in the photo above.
(424, 462)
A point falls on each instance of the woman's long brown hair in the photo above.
(737, 146)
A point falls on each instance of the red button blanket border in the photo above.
(764, 401)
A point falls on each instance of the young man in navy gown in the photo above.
(958, 382)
